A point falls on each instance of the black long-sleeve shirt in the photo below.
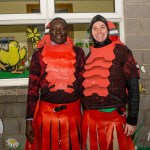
(38, 85)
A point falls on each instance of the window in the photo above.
(33, 15)
(17, 44)
(16, 7)
(82, 6)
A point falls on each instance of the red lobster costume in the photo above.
(57, 122)
(104, 79)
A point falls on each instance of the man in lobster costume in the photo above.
(54, 91)
(111, 82)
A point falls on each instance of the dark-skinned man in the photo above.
(54, 91)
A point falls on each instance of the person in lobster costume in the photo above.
(111, 81)
(55, 87)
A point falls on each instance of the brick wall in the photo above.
(137, 36)
(12, 112)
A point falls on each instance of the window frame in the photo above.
(47, 13)
(30, 18)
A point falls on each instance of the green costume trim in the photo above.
(107, 109)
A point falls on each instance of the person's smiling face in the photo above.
(58, 31)
(99, 31)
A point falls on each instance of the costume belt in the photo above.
(73, 107)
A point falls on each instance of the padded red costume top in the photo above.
(60, 60)
(97, 70)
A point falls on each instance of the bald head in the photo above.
(59, 19)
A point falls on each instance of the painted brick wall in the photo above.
(12, 112)
(137, 36)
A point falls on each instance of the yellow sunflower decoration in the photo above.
(34, 36)
(141, 88)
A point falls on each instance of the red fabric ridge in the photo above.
(96, 78)
(60, 60)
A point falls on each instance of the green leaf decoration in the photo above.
(29, 30)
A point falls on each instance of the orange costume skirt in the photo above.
(57, 127)
(104, 131)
